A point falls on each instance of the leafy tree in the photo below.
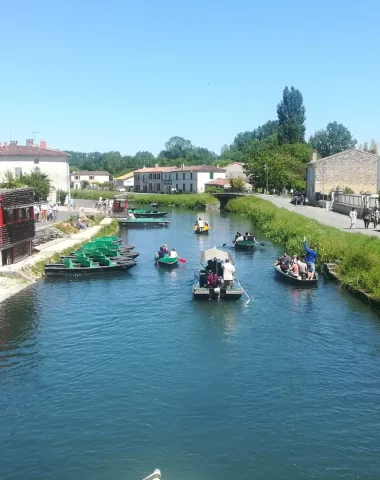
(334, 139)
(302, 152)
(237, 184)
(40, 182)
(10, 181)
(61, 196)
(84, 184)
(373, 148)
(244, 140)
(291, 117)
(176, 147)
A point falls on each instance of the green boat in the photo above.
(144, 222)
(166, 261)
(147, 213)
(244, 245)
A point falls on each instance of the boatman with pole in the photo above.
(228, 273)
(311, 256)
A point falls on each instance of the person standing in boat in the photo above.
(228, 273)
(311, 256)
(201, 224)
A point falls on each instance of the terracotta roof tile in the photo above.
(30, 151)
(85, 172)
(197, 168)
(218, 181)
(126, 176)
(153, 169)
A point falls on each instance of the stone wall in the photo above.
(352, 168)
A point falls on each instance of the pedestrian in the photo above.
(375, 215)
(366, 218)
(353, 217)
(55, 211)
(44, 211)
(50, 213)
(36, 213)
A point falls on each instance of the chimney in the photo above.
(315, 155)
(14, 142)
(29, 142)
(43, 144)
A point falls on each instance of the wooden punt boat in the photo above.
(213, 258)
(167, 261)
(245, 245)
(68, 268)
(147, 213)
(296, 281)
(144, 222)
(204, 230)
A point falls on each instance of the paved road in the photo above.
(64, 213)
(327, 217)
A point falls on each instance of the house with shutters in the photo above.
(94, 178)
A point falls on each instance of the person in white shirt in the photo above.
(36, 213)
(55, 211)
(353, 217)
(173, 253)
(44, 210)
(228, 273)
(50, 213)
(201, 224)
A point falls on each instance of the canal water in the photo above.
(112, 377)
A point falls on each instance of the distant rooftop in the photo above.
(30, 150)
(87, 172)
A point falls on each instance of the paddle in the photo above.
(182, 260)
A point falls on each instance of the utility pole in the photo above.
(266, 167)
(34, 137)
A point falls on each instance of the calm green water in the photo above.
(110, 378)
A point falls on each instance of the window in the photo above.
(211, 175)
(18, 172)
(76, 177)
(191, 175)
(158, 176)
(36, 161)
(176, 176)
(138, 177)
(191, 187)
(184, 187)
(183, 176)
(150, 176)
(91, 177)
(176, 186)
(150, 187)
(158, 187)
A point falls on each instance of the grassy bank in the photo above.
(192, 200)
(359, 255)
(38, 268)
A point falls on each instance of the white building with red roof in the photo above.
(24, 159)
(94, 178)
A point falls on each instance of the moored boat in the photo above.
(82, 265)
(144, 222)
(154, 204)
(214, 259)
(202, 231)
(299, 282)
(148, 213)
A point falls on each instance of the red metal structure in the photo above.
(120, 203)
(17, 228)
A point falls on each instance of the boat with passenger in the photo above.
(295, 270)
(216, 278)
(131, 221)
(201, 227)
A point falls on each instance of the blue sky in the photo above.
(128, 75)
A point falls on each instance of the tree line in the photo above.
(274, 154)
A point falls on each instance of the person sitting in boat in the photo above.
(294, 269)
(165, 248)
(238, 238)
(161, 253)
(173, 253)
(302, 267)
(212, 279)
(284, 267)
(228, 273)
(287, 259)
(200, 224)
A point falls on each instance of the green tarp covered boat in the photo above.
(166, 261)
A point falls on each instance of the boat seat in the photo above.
(203, 279)
(68, 263)
(86, 263)
(106, 262)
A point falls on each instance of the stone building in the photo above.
(357, 170)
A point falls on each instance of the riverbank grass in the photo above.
(191, 201)
(357, 256)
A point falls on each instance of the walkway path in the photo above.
(327, 217)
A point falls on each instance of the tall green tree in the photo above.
(176, 147)
(291, 117)
(335, 138)
(40, 182)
